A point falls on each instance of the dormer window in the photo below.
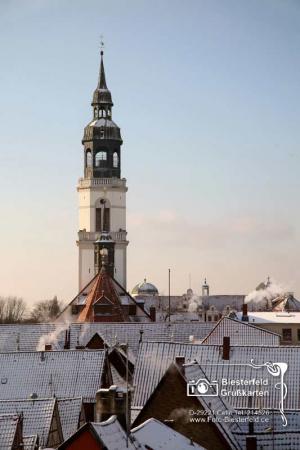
(101, 134)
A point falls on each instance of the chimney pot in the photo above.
(226, 347)
(245, 317)
(153, 313)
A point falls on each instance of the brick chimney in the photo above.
(153, 313)
(112, 401)
(226, 347)
(245, 317)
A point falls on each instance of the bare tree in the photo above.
(12, 309)
(46, 310)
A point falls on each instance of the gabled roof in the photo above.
(65, 374)
(70, 411)
(155, 357)
(133, 333)
(156, 435)
(240, 333)
(8, 430)
(102, 288)
(112, 434)
(109, 434)
(37, 415)
(211, 404)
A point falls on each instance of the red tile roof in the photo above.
(103, 292)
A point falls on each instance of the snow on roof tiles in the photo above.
(65, 374)
(112, 434)
(8, 429)
(130, 332)
(37, 415)
(272, 317)
(155, 434)
(25, 337)
(69, 413)
(240, 333)
(155, 357)
(30, 442)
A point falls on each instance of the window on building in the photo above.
(298, 334)
(88, 158)
(216, 318)
(100, 158)
(115, 160)
(287, 334)
(106, 224)
(209, 318)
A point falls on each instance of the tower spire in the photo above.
(102, 97)
(102, 80)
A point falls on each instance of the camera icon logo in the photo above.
(202, 387)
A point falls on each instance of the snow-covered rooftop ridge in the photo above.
(112, 435)
(156, 435)
(65, 374)
(271, 317)
(132, 333)
(240, 333)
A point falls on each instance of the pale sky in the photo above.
(206, 93)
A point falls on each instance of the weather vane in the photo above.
(101, 43)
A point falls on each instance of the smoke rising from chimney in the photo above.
(266, 293)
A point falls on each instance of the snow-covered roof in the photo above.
(70, 413)
(240, 333)
(26, 337)
(157, 435)
(221, 301)
(30, 442)
(271, 317)
(155, 357)
(37, 415)
(130, 332)
(8, 430)
(65, 374)
(112, 435)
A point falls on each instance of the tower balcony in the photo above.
(92, 236)
(94, 182)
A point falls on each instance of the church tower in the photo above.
(102, 191)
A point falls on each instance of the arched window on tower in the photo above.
(115, 160)
(100, 158)
(88, 158)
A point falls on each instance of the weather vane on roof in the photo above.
(101, 43)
